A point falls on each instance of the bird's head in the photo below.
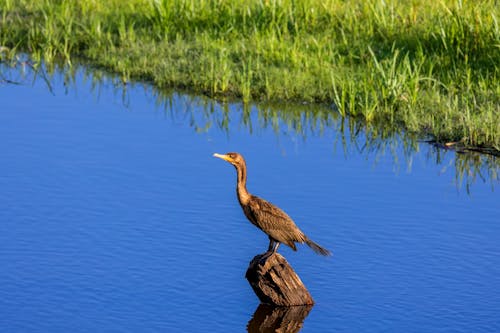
(233, 158)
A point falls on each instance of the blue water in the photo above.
(115, 217)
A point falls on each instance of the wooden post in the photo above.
(275, 282)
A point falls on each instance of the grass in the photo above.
(429, 67)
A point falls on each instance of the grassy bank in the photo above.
(431, 67)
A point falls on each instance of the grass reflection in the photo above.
(353, 135)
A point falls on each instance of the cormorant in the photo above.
(267, 217)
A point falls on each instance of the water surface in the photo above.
(114, 216)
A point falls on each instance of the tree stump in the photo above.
(275, 282)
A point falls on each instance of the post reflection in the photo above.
(271, 319)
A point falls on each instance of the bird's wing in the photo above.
(274, 221)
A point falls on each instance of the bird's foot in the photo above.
(267, 254)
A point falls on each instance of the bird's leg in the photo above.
(275, 247)
(271, 245)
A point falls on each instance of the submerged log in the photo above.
(275, 282)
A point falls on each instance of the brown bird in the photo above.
(264, 215)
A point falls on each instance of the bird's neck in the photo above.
(241, 187)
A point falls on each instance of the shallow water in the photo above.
(114, 216)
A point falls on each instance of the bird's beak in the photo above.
(224, 157)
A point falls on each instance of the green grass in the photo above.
(428, 66)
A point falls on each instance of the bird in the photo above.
(273, 221)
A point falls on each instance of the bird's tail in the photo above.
(317, 248)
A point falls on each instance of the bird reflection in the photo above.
(272, 319)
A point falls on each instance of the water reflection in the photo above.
(271, 319)
(298, 122)
(469, 166)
